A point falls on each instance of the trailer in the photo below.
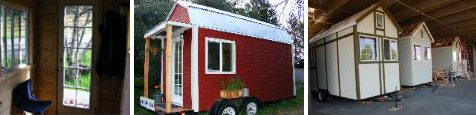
(415, 54)
(204, 45)
(356, 58)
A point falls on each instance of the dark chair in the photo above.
(26, 101)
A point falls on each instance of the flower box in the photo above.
(231, 94)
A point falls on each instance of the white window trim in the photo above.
(383, 20)
(233, 70)
(391, 40)
(415, 59)
(377, 48)
(428, 55)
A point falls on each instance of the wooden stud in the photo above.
(168, 67)
(146, 67)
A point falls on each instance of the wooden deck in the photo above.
(160, 108)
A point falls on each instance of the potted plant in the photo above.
(231, 87)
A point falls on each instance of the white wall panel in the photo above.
(347, 68)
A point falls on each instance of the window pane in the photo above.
(417, 51)
(394, 49)
(368, 48)
(428, 53)
(379, 20)
(78, 16)
(23, 41)
(75, 37)
(386, 49)
(227, 57)
(213, 56)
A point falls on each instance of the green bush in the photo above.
(232, 83)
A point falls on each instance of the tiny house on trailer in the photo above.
(415, 54)
(450, 54)
(208, 45)
(357, 58)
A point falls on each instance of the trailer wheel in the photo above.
(227, 108)
(250, 106)
(322, 96)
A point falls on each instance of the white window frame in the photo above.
(428, 53)
(376, 20)
(233, 61)
(390, 41)
(415, 57)
(376, 47)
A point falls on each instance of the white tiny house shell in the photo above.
(357, 58)
(448, 54)
(415, 54)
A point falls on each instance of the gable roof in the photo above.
(211, 18)
(412, 29)
(448, 41)
(349, 22)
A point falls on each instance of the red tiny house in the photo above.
(206, 50)
(256, 61)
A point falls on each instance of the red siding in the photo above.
(179, 15)
(187, 95)
(263, 65)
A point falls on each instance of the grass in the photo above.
(271, 108)
(83, 81)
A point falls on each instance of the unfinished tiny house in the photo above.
(415, 54)
(450, 54)
(204, 45)
(356, 58)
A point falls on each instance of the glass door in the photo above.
(75, 53)
(177, 80)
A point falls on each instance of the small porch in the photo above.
(170, 99)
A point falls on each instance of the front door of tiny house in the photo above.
(77, 29)
(177, 71)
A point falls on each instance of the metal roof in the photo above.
(211, 18)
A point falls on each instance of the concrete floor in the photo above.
(425, 100)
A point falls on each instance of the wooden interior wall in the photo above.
(45, 53)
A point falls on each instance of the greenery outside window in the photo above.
(368, 48)
(14, 43)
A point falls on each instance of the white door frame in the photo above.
(177, 99)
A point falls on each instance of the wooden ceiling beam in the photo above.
(448, 10)
(422, 6)
(457, 17)
(430, 17)
(457, 24)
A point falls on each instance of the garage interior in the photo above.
(444, 18)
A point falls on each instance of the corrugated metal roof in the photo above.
(211, 18)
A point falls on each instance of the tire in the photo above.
(227, 108)
(322, 96)
(250, 106)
